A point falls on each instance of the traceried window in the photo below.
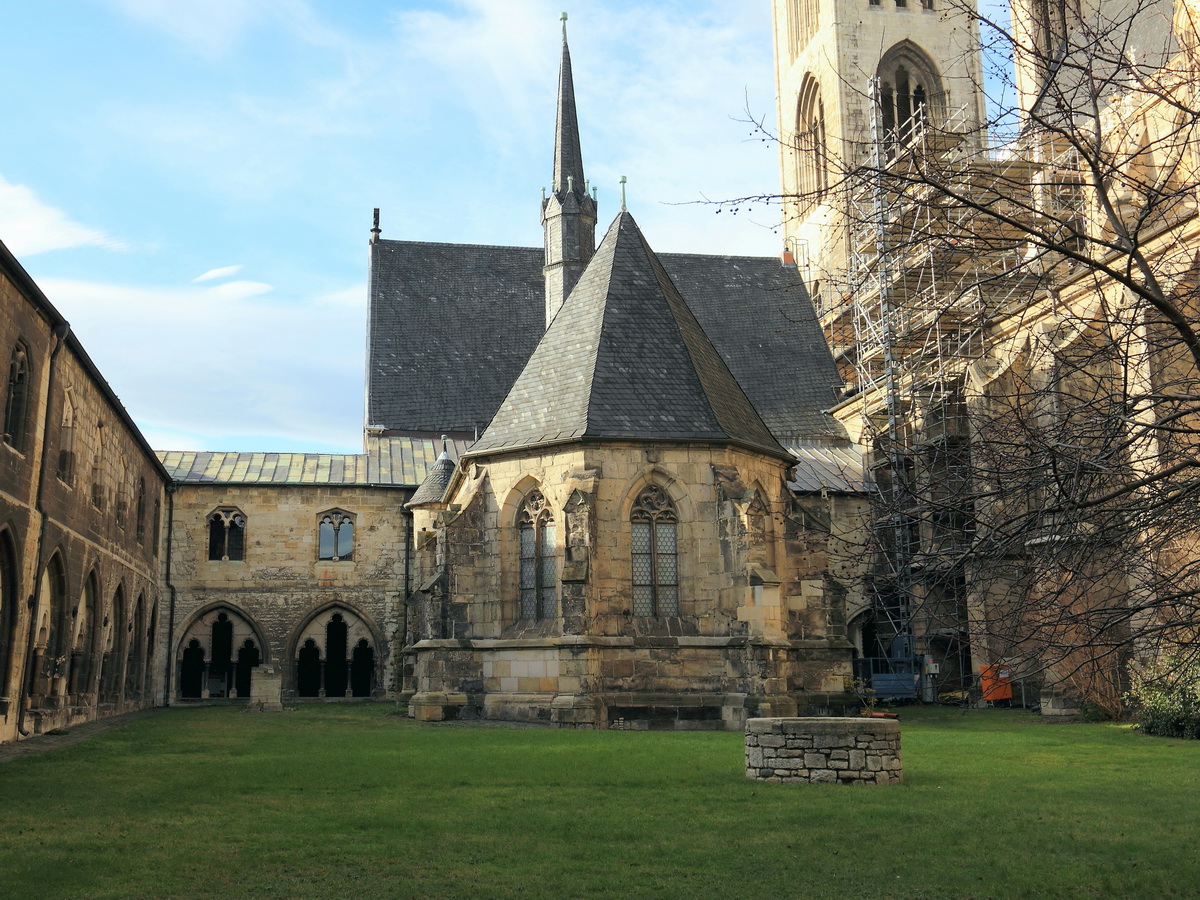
(227, 535)
(336, 532)
(16, 398)
(812, 158)
(538, 571)
(653, 524)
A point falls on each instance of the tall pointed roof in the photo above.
(625, 359)
(568, 159)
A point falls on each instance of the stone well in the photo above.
(824, 750)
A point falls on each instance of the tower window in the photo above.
(538, 571)
(655, 554)
(227, 535)
(336, 536)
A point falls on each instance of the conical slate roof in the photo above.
(568, 159)
(625, 359)
(437, 479)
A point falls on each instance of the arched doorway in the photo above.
(335, 656)
(217, 656)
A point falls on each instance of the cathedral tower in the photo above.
(569, 212)
(842, 67)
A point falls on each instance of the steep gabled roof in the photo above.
(625, 358)
(452, 325)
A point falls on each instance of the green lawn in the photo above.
(354, 801)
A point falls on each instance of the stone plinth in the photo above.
(824, 751)
(266, 688)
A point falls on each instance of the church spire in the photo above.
(569, 212)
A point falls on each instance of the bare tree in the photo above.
(1015, 305)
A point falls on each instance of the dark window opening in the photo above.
(226, 535)
(16, 400)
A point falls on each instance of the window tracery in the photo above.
(655, 554)
(535, 523)
(227, 535)
(336, 536)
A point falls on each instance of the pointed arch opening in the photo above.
(10, 590)
(812, 157)
(84, 649)
(16, 398)
(53, 643)
(217, 655)
(336, 656)
(909, 96)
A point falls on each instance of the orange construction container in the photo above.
(996, 682)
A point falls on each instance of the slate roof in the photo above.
(625, 358)
(568, 158)
(433, 488)
(389, 461)
(452, 325)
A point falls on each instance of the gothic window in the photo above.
(83, 648)
(16, 400)
(139, 511)
(227, 535)
(336, 534)
(908, 94)
(54, 638)
(538, 575)
(98, 466)
(121, 504)
(812, 159)
(66, 442)
(653, 524)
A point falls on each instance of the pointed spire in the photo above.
(568, 159)
(569, 211)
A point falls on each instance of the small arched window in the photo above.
(66, 443)
(653, 524)
(16, 399)
(336, 536)
(538, 571)
(227, 535)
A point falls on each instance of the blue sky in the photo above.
(191, 181)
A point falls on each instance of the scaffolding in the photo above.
(923, 283)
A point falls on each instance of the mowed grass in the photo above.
(355, 801)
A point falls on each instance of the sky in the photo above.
(191, 182)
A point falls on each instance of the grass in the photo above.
(354, 801)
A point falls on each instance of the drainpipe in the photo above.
(60, 332)
(169, 663)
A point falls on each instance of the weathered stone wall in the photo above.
(281, 593)
(81, 498)
(824, 750)
(760, 625)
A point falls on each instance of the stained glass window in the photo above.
(655, 554)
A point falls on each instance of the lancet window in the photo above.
(653, 524)
(16, 400)
(535, 523)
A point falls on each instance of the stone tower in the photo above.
(913, 60)
(569, 211)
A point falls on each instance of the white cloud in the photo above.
(213, 274)
(28, 226)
